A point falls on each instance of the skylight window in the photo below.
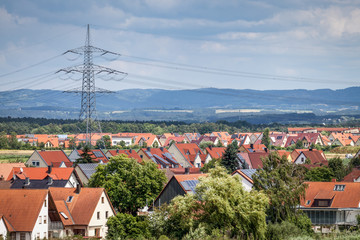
(69, 199)
(64, 215)
(339, 187)
(308, 202)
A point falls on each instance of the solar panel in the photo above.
(161, 159)
(98, 154)
(169, 156)
(189, 185)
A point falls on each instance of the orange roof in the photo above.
(40, 173)
(6, 168)
(185, 177)
(82, 205)
(188, 148)
(96, 155)
(353, 175)
(215, 152)
(347, 198)
(55, 158)
(283, 153)
(130, 153)
(21, 207)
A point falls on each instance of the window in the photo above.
(323, 203)
(22, 236)
(198, 165)
(98, 215)
(97, 232)
(45, 203)
(45, 235)
(102, 200)
(45, 218)
(35, 163)
(339, 187)
(69, 199)
(106, 214)
(64, 215)
(308, 202)
(40, 219)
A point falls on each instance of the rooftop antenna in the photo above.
(88, 90)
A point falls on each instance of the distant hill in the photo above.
(197, 104)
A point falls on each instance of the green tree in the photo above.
(220, 203)
(266, 138)
(155, 144)
(3, 141)
(211, 164)
(319, 174)
(229, 159)
(282, 182)
(13, 142)
(338, 168)
(299, 144)
(220, 144)
(72, 143)
(126, 226)
(85, 156)
(129, 184)
(206, 144)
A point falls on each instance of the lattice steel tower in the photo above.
(88, 90)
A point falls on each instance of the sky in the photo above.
(183, 44)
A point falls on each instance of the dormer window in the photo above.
(339, 187)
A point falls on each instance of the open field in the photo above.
(8, 156)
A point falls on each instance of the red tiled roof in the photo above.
(95, 158)
(175, 139)
(35, 173)
(215, 152)
(348, 198)
(55, 158)
(353, 175)
(130, 153)
(255, 159)
(6, 168)
(188, 148)
(21, 207)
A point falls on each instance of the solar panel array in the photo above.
(98, 154)
(189, 185)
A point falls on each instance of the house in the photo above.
(165, 138)
(242, 139)
(256, 159)
(171, 140)
(189, 137)
(224, 137)
(284, 153)
(129, 152)
(49, 141)
(97, 155)
(253, 148)
(278, 139)
(80, 211)
(6, 169)
(146, 140)
(306, 138)
(160, 156)
(48, 158)
(181, 152)
(178, 185)
(170, 172)
(49, 176)
(353, 176)
(331, 203)
(315, 158)
(215, 152)
(214, 139)
(246, 177)
(25, 213)
(127, 138)
(84, 171)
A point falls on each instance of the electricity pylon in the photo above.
(88, 90)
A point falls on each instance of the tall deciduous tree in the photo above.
(338, 168)
(129, 184)
(229, 158)
(282, 181)
(220, 203)
(266, 138)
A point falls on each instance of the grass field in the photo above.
(12, 156)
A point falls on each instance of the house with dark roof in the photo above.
(97, 155)
(84, 171)
(245, 176)
(256, 159)
(160, 156)
(80, 211)
(49, 158)
(331, 203)
(178, 185)
(25, 213)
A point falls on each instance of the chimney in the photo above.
(333, 180)
(27, 181)
(266, 150)
(50, 181)
(148, 148)
(187, 170)
(162, 149)
(310, 149)
(117, 150)
(49, 169)
(78, 189)
(130, 151)
(252, 146)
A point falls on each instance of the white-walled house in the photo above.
(246, 177)
(26, 211)
(81, 211)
